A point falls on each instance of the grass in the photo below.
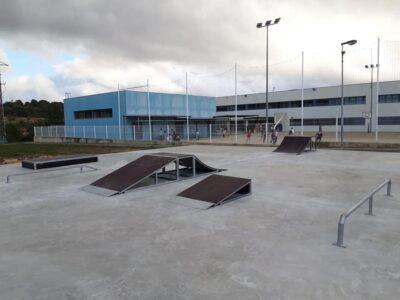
(19, 151)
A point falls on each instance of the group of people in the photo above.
(172, 136)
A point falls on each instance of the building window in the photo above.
(357, 100)
(93, 114)
(389, 120)
(327, 122)
(392, 98)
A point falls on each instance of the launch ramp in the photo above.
(294, 144)
(215, 190)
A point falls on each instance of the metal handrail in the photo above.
(45, 171)
(344, 216)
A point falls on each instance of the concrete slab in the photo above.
(58, 242)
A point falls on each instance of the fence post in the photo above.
(210, 132)
(389, 188)
(84, 132)
(134, 132)
(73, 131)
(34, 131)
(65, 131)
(94, 131)
(106, 132)
(41, 131)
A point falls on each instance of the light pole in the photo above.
(266, 25)
(350, 43)
(371, 66)
(3, 138)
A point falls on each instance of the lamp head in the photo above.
(351, 42)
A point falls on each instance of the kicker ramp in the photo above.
(294, 144)
(214, 190)
(55, 162)
(149, 170)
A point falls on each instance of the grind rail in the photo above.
(82, 168)
(344, 216)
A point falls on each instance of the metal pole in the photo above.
(187, 109)
(3, 137)
(236, 103)
(336, 129)
(266, 89)
(148, 107)
(106, 132)
(341, 104)
(134, 132)
(94, 131)
(210, 132)
(378, 67)
(302, 92)
(372, 95)
(119, 115)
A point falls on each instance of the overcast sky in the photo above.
(89, 46)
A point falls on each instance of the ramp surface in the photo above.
(215, 190)
(59, 161)
(294, 144)
(122, 179)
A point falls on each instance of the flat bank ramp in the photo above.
(129, 175)
(59, 161)
(294, 144)
(214, 190)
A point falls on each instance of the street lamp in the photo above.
(266, 25)
(3, 138)
(371, 66)
(350, 43)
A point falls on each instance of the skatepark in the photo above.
(60, 241)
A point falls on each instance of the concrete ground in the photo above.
(58, 242)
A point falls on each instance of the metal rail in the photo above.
(344, 216)
(51, 170)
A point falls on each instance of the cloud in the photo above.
(127, 42)
(31, 87)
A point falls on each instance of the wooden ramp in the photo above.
(294, 144)
(149, 170)
(59, 161)
(214, 190)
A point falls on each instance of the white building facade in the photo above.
(321, 107)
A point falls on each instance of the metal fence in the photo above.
(218, 131)
(144, 132)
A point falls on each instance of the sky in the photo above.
(92, 46)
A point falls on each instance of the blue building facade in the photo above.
(125, 114)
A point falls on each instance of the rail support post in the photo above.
(340, 236)
(370, 204)
(389, 188)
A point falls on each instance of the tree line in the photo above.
(21, 117)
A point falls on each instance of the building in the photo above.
(136, 115)
(321, 107)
